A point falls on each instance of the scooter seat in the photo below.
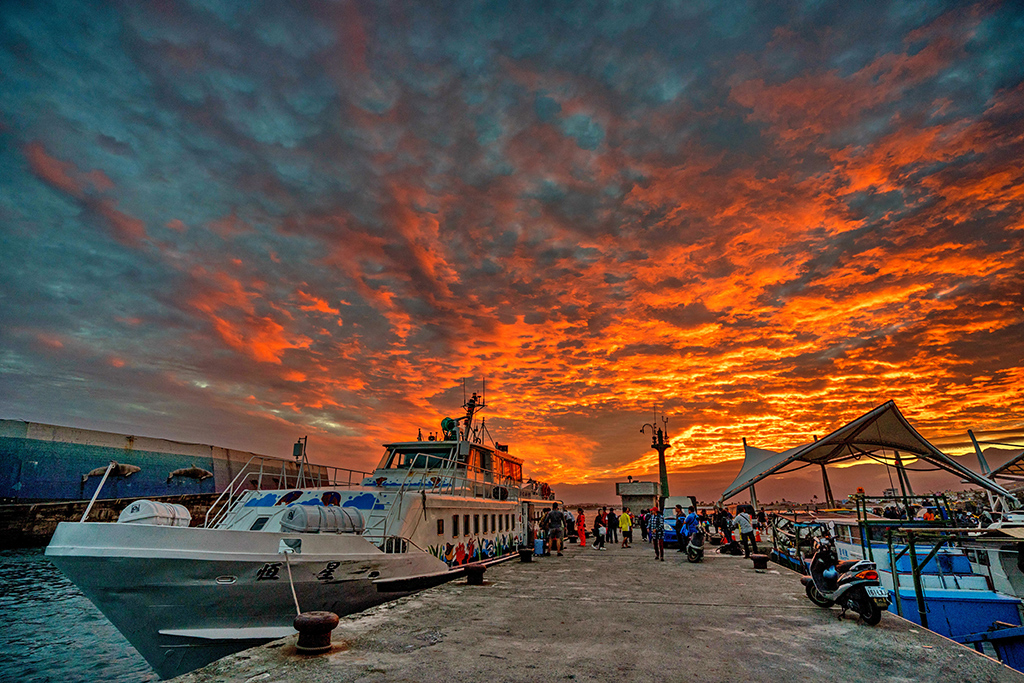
(844, 566)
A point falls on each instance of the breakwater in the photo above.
(32, 524)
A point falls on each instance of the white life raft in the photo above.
(322, 519)
(155, 513)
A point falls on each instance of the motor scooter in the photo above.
(852, 584)
(695, 548)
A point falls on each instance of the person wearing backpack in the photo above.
(555, 522)
(745, 524)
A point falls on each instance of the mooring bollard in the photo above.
(315, 631)
(475, 574)
(760, 561)
(526, 554)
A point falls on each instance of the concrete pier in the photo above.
(615, 615)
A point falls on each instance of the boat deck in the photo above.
(615, 615)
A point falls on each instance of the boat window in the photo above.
(510, 522)
(440, 527)
(501, 522)
(485, 524)
(415, 457)
(514, 470)
(455, 526)
(482, 459)
(465, 525)
(259, 523)
(476, 524)
(422, 458)
(386, 460)
(492, 523)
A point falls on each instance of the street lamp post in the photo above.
(660, 444)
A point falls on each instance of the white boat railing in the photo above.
(275, 473)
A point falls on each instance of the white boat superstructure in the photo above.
(1003, 563)
(185, 596)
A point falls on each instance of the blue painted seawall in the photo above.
(41, 462)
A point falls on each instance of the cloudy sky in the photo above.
(239, 223)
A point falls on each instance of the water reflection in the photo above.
(53, 633)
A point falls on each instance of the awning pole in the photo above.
(753, 497)
(901, 474)
(984, 468)
(828, 488)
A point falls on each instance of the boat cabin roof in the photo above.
(434, 445)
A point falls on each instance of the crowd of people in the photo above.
(611, 527)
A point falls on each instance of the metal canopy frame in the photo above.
(1013, 469)
(882, 429)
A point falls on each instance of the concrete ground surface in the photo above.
(616, 615)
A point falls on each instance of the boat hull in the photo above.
(184, 597)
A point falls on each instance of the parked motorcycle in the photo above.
(852, 584)
(695, 548)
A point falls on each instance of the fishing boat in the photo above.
(184, 595)
(932, 579)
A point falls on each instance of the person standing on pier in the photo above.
(626, 527)
(679, 527)
(556, 523)
(599, 531)
(613, 526)
(581, 527)
(691, 525)
(723, 522)
(656, 530)
(745, 524)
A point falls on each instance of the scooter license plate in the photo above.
(878, 594)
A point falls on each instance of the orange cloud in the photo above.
(230, 306)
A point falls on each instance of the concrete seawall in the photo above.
(615, 615)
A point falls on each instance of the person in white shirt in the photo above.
(745, 524)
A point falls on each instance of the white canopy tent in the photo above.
(882, 435)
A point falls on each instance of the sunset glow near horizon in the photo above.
(240, 224)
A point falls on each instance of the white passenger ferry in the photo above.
(185, 596)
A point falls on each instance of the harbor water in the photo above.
(53, 633)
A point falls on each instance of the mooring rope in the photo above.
(291, 583)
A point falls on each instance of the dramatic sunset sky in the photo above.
(238, 223)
